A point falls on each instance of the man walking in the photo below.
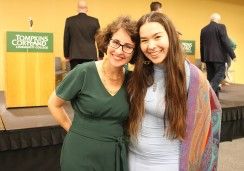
(215, 49)
(79, 36)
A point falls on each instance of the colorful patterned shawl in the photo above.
(199, 150)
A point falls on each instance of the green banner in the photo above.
(189, 46)
(29, 42)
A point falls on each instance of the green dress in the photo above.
(95, 141)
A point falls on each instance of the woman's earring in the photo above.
(146, 62)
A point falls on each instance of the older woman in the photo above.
(95, 139)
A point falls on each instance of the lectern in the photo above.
(29, 69)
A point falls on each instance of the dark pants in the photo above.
(215, 74)
(75, 62)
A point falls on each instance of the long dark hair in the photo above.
(175, 82)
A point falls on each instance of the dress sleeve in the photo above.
(73, 83)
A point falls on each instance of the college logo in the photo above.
(188, 46)
(29, 42)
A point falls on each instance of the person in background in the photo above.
(96, 90)
(233, 46)
(79, 36)
(175, 116)
(156, 6)
(215, 50)
(227, 79)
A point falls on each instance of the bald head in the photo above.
(215, 17)
(82, 6)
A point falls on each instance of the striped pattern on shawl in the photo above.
(199, 149)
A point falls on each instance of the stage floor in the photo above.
(26, 117)
(232, 95)
(232, 101)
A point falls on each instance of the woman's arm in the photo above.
(55, 105)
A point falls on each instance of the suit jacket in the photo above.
(214, 43)
(79, 37)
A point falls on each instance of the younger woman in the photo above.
(174, 120)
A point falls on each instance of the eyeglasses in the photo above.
(127, 48)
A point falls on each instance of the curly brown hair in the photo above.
(103, 37)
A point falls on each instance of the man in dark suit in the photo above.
(215, 48)
(156, 6)
(79, 36)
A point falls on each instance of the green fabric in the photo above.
(95, 141)
(232, 44)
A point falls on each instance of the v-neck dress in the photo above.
(95, 141)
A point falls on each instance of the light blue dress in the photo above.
(153, 151)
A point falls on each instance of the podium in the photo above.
(29, 69)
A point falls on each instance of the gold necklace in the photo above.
(109, 77)
(106, 85)
(110, 90)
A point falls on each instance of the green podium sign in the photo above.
(188, 46)
(29, 42)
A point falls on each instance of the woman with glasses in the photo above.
(175, 116)
(95, 138)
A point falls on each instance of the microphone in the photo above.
(30, 22)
